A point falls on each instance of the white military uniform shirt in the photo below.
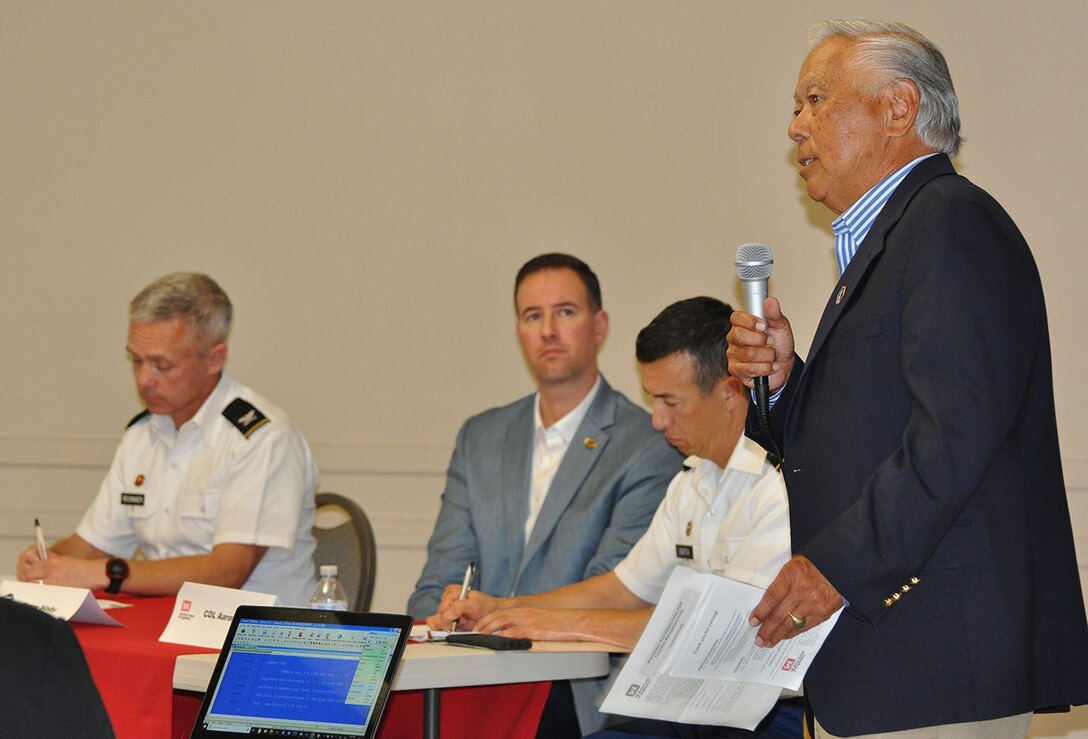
(176, 492)
(732, 522)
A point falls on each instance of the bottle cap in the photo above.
(328, 570)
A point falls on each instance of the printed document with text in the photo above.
(697, 661)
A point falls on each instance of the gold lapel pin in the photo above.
(139, 480)
(590, 442)
(687, 530)
(841, 295)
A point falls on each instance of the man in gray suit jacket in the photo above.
(558, 486)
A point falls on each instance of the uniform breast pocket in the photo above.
(203, 504)
(723, 553)
(139, 504)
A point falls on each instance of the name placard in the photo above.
(59, 601)
(202, 613)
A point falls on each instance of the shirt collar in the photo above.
(859, 217)
(748, 457)
(203, 421)
(568, 424)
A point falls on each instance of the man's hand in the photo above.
(59, 569)
(466, 611)
(545, 624)
(761, 347)
(621, 626)
(800, 593)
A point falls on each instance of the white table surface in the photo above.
(438, 665)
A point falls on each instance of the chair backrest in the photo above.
(348, 543)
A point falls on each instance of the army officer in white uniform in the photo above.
(212, 483)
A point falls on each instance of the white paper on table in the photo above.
(651, 685)
(59, 601)
(202, 613)
(106, 604)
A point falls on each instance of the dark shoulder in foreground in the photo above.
(51, 694)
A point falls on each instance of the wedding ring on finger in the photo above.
(798, 622)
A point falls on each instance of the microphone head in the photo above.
(754, 261)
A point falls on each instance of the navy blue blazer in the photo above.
(599, 504)
(46, 689)
(924, 476)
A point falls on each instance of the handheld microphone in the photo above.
(754, 263)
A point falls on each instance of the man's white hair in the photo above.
(895, 50)
(192, 296)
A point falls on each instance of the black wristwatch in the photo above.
(116, 571)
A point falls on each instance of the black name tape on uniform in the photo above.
(132, 498)
(245, 417)
(684, 551)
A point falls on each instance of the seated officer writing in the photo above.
(724, 513)
(212, 483)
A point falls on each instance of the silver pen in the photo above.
(43, 553)
(466, 586)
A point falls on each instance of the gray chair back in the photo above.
(349, 545)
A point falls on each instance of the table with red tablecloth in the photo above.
(134, 672)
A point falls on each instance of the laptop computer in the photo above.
(298, 672)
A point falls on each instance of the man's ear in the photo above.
(901, 100)
(600, 326)
(217, 357)
(730, 389)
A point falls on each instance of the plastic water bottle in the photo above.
(329, 594)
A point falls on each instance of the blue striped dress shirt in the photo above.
(853, 225)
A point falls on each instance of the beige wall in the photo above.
(365, 178)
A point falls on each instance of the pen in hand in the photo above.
(466, 585)
(40, 539)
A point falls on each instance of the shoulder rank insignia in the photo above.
(245, 417)
(137, 418)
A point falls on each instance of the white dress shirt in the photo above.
(175, 492)
(549, 447)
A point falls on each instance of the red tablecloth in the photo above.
(134, 672)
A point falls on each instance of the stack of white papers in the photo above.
(697, 661)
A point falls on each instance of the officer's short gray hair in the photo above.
(896, 50)
(192, 296)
